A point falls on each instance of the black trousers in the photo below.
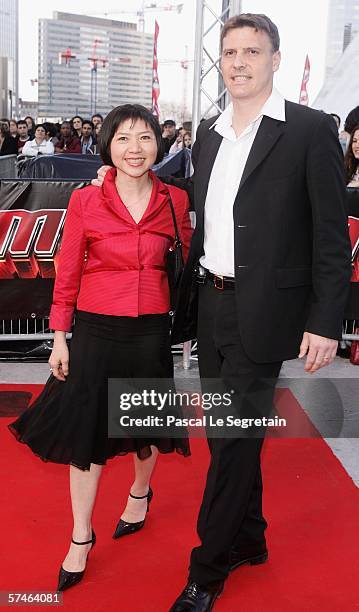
(231, 512)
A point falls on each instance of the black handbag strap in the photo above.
(177, 238)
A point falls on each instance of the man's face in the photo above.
(169, 131)
(65, 130)
(23, 130)
(86, 130)
(248, 63)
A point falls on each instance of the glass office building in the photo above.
(88, 64)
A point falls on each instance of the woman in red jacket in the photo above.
(112, 269)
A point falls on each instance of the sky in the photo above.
(302, 27)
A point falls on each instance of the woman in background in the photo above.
(8, 144)
(351, 159)
(182, 142)
(76, 124)
(39, 145)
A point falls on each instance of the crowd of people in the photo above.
(76, 135)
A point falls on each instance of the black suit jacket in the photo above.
(291, 243)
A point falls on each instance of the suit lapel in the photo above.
(210, 150)
(269, 132)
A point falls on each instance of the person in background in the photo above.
(351, 159)
(96, 119)
(67, 143)
(13, 128)
(31, 125)
(51, 132)
(342, 138)
(39, 145)
(168, 134)
(23, 135)
(183, 141)
(350, 122)
(88, 142)
(76, 123)
(8, 145)
(336, 119)
(97, 129)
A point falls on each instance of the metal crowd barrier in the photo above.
(8, 166)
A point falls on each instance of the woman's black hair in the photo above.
(119, 115)
(350, 161)
(42, 125)
(32, 121)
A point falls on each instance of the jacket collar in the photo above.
(274, 108)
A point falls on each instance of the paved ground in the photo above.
(330, 398)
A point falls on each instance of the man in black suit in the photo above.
(271, 233)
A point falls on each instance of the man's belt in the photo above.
(219, 282)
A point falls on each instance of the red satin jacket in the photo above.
(108, 263)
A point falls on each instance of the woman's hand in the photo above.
(101, 173)
(59, 358)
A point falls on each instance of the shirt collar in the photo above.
(273, 107)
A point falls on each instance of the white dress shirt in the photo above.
(224, 184)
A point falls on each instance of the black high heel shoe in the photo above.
(69, 579)
(124, 528)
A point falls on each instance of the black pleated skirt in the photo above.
(68, 422)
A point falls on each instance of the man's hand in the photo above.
(101, 172)
(320, 351)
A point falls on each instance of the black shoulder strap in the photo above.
(177, 238)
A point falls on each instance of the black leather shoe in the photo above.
(69, 579)
(124, 528)
(253, 557)
(196, 598)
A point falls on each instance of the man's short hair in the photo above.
(169, 122)
(119, 115)
(260, 23)
(97, 115)
(88, 122)
(21, 122)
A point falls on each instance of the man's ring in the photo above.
(325, 358)
(51, 369)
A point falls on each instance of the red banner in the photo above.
(303, 96)
(155, 81)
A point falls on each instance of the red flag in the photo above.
(303, 96)
(155, 81)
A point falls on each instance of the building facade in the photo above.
(89, 65)
(9, 80)
(343, 25)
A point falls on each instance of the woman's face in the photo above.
(355, 144)
(77, 123)
(40, 133)
(13, 128)
(133, 148)
(187, 141)
(29, 123)
(98, 128)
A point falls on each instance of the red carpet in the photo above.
(311, 503)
